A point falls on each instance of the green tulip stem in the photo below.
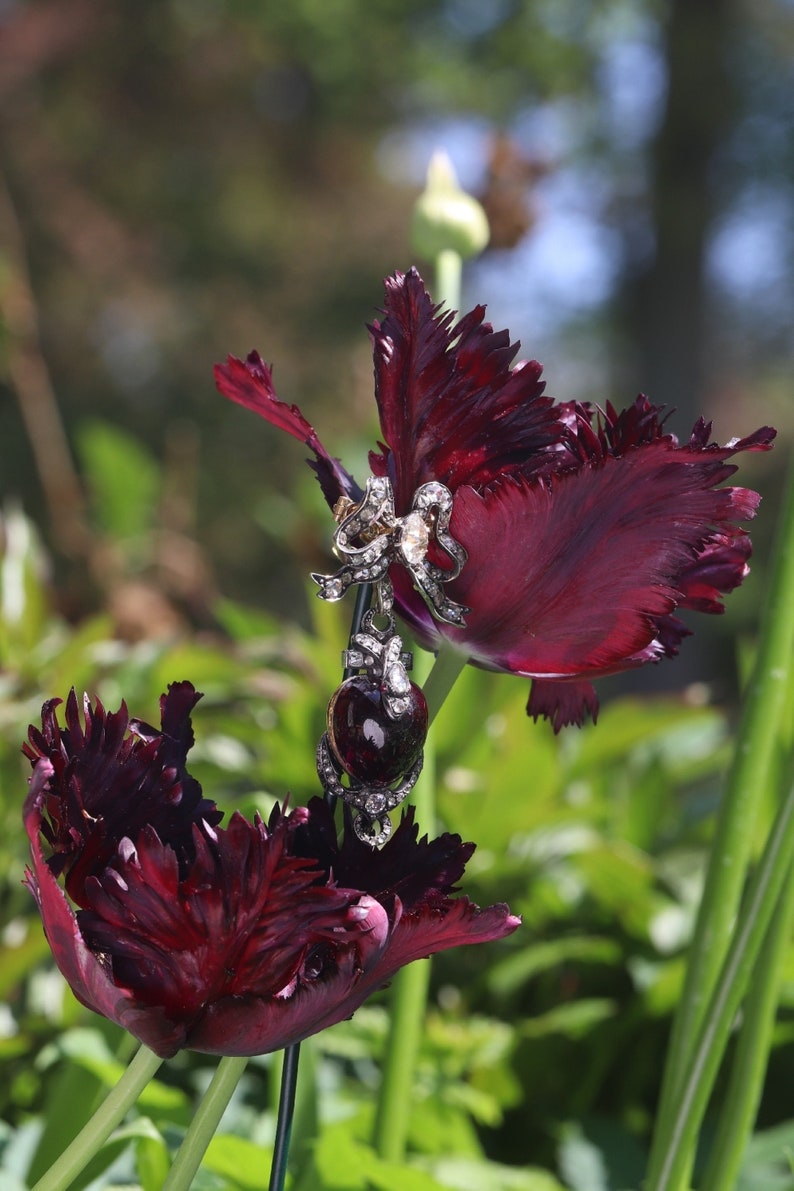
(408, 1005)
(447, 668)
(747, 788)
(410, 986)
(739, 1109)
(406, 1022)
(206, 1120)
(449, 274)
(95, 1133)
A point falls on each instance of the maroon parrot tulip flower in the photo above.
(236, 940)
(586, 529)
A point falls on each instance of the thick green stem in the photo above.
(408, 1003)
(751, 929)
(449, 274)
(749, 1065)
(205, 1122)
(93, 1136)
(730, 853)
(447, 667)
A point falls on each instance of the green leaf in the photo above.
(573, 1019)
(24, 605)
(88, 1050)
(244, 623)
(245, 1164)
(123, 479)
(17, 961)
(152, 1159)
(508, 976)
(581, 1162)
(343, 1164)
(769, 1160)
(463, 1174)
(669, 728)
(73, 1090)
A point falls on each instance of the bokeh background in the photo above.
(186, 178)
(181, 179)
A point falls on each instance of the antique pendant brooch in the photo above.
(371, 753)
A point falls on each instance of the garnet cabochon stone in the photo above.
(367, 743)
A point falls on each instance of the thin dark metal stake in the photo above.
(286, 1111)
(289, 1070)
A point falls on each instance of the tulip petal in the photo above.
(570, 701)
(250, 1026)
(246, 1025)
(107, 784)
(451, 408)
(90, 980)
(417, 871)
(585, 527)
(250, 384)
(568, 577)
(228, 927)
(427, 931)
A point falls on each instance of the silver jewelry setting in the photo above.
(373, 801)
(370, 538)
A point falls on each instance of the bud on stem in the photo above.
(447, 219)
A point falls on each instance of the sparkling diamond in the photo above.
(414, 537)
(375, 804)
(397, 680)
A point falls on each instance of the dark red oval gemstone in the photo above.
(367, 743)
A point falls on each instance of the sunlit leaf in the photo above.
(123, 478)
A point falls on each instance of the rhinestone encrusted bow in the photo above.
(370, 538)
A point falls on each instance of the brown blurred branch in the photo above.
(32, 37)
(30, 380)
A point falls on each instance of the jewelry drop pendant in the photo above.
(370, 755)
(376, 730)
(368, 743)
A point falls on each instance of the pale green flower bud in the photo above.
(445, 217)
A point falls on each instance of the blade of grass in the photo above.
(762, 899)
(752, 1054)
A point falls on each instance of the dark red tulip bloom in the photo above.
(235, 940)
(586, 529)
